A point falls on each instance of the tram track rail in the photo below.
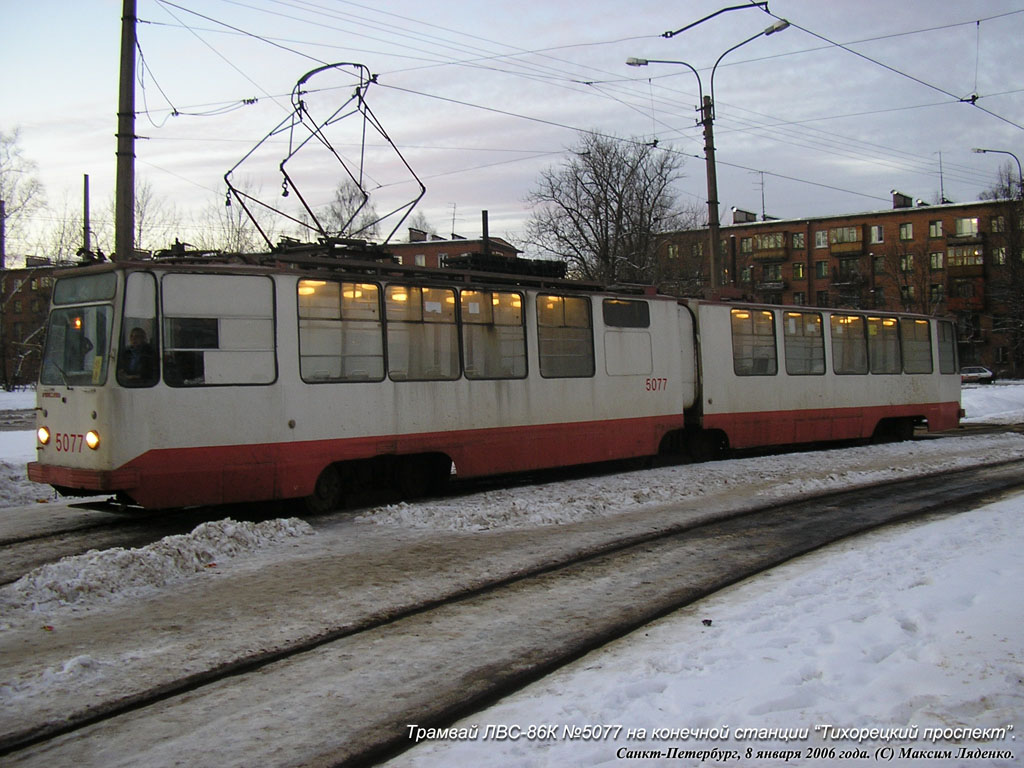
(498, 634)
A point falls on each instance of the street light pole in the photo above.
(707, 117)
(1020, 175)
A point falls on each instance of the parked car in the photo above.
(976, 374)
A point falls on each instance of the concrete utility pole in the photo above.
(3, 235)
(124, 199)
(709, 157)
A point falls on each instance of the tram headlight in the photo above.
(92, 439)
(43, 435)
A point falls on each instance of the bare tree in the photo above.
(225, 226)
(156, 220)
(20, 190)
(603, 210)
(418, 220)
(350, 213)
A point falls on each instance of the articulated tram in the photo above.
(179, 382)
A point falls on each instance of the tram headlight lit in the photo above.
(92, 439)
(43, 435)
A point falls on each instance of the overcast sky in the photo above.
(856, 98)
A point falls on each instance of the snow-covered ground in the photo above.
(862, 646)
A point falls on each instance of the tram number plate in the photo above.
(65, 442)
(656, 384)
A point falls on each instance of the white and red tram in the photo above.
(172, 383)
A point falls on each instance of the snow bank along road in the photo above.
(395, 629)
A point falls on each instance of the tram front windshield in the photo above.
(78, 333)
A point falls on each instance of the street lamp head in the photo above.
(978, 151)
(634, 62)
(778, 26)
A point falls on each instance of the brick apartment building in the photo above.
(24, 304)
(426, 250)
(955, 259)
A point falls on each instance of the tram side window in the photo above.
(804, 343)
(341, 336)
(493, 335)
(138, 360)
(423, 339)
(218, 329)
(916, 338)
(883, 345)
(565, 337)
(849, 344)
(622, 313)
(947, 347)
(753, 342)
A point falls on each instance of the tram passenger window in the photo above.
(947, 347)
(753, 342)
(493, 335)
(565, 337)
(423, 339)
(622, 313)
(138, 361)
(804, 343)
(883, 345)
(916, 339)
(849, 344)
(341, 336)
(218, 329)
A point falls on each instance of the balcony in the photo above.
(848, 249)
(770, 254)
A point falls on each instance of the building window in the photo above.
(799, 241)
(821, 239)
(878, 265)
(769, 241)
(799, 271)
(998, 224)
(753, 342)
(877, 233)
(965, 256)
(907, 262)
(799, 298)
(772, 273)
(937, 293)
(907, 293)
(821, 298)
(935, 260)
(747, 275)
(697, 250)
(420, 260)
(821, 269)
(673, 251)
(844, 235)
(967, 227)
(999, 255)
(935, 228)
(906, 231)
(746, 245)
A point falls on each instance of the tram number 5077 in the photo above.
(67, 443)
(656, 384)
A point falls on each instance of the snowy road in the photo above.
(430, 663)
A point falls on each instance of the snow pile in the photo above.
(99, 575)
(591, 498)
